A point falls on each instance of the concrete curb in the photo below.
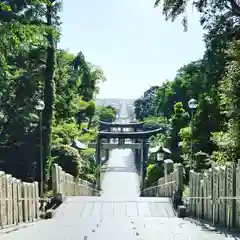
(208, 225)
(9, 229)
(42, 216)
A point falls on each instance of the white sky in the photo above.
(130, 41)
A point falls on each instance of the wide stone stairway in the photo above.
(119, 213)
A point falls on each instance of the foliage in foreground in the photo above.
(213, 80)
(33, 69)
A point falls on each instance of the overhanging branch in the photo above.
(235, 7)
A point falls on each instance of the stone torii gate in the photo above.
(120, 127)
(140, 144)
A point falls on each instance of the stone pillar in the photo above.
(139, 158)
(135, 151)
(144, 159)
(55, 183)
(180, 176)
(107, 149)
(215, 194)
(136, 155)
(98, 161)
(231, 192)
(141, 165)
(146, 148)
(168, 168)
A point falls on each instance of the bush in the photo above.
(68, 158)
(154, 172)
(88, 168)
(107, 114)
(151, 123)
(65, 133)
(90, 178)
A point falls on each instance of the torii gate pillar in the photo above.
(107, 150)
(144, 160)
(136, 151)
(98, 161)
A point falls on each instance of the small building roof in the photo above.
(159, 149)
(79, 145)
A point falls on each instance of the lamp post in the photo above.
(192, 104)
(39, 107)
(160, 157)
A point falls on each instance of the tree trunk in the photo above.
(49, 95)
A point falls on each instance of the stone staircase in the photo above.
(85, 207)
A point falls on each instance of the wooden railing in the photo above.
(215, 195)
(66, 185)
(19, 201)
(172, 181)
(162, 190)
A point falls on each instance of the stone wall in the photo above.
(215, 195)
(19, 201)
(172, 181)
(66, 185)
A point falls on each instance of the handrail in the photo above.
(86, 186)
(149, 188)
(216, 199)
(198, 197)
(229, 198)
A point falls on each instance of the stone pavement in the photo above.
(120, 180)
(118, 214)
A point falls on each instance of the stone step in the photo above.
(100, 207)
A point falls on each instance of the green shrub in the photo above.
(107, 114)
(151, 123)
(154, 172)
(90, 178)
(65, 133)
(88, 167)
(68, 158)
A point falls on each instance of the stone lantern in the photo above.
(160, 153)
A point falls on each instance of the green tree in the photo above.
(144, 106)
(208, 10)
(107, 114)
(179, 120)
(49, 84)
(32, 68)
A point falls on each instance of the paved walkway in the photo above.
(118, 214)
(120, 181)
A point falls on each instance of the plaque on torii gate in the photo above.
(108, 125)
(127, 125)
